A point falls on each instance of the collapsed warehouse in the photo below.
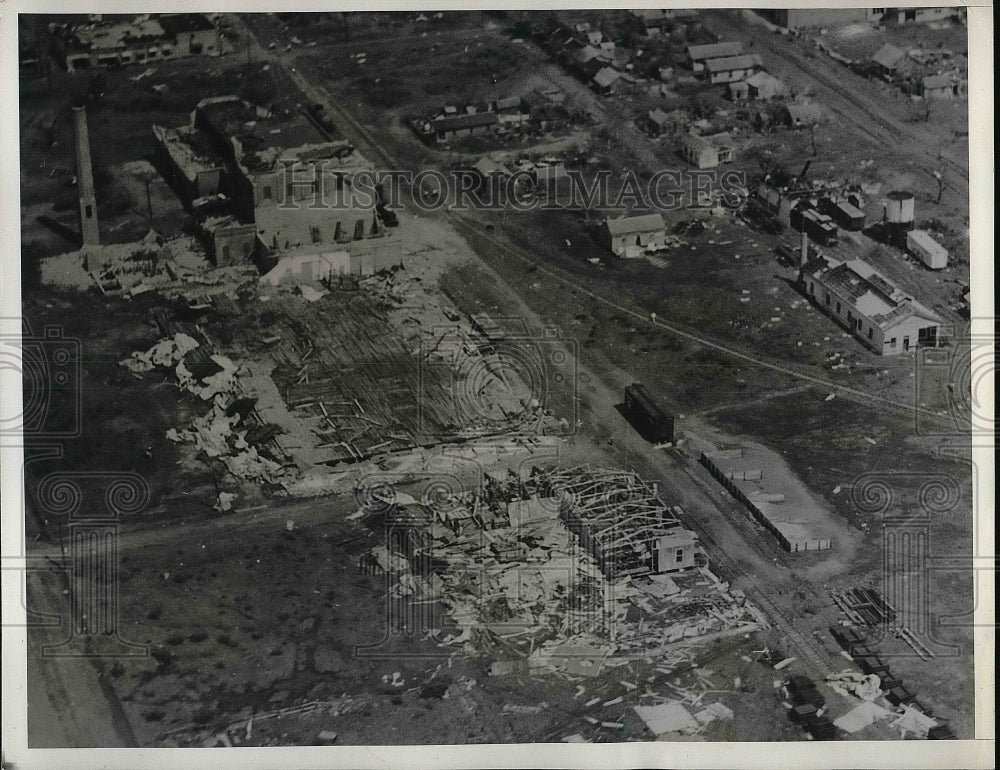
(562, 567)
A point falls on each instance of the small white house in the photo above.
(921, 245)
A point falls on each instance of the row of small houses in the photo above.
(712, 150)
(599, 62)
(908, 71)
(471, 119)
(872, 308)
(889, 61)
(543, 107)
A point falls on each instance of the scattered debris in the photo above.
(670, 717)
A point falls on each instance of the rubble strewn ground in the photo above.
(406, 505)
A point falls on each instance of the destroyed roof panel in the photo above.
(459, 122)
(643, 223)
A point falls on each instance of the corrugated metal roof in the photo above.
(727, 63)
(868, 291)
(714, 50)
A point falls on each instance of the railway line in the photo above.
(803, 647)
(373, 149)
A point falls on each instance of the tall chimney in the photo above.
(804, 256)
(85, 179)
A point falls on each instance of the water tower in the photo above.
(899, 216)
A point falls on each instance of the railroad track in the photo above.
(811, 657)
(800, 645)
(805, 648)
(854, 394)
(375, 150)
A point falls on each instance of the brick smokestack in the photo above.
(804, 256)
(85, 179)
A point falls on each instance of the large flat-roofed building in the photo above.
(871, 307)
(122, 40)
(289, 186)
(798, 18)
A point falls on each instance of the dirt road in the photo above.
(745, 554)
(856, 101)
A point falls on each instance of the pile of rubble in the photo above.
(513, 576)
(229, 431)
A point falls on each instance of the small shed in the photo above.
(508, 104)
(647, 232)
(605, 79)
(762, 85)
(937, 87)
(738, 91)
(724, 146)
(921, 245)
(675, 551)
(887, 59)
(699, 152)
(732, 68)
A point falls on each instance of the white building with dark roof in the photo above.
(631, 237)
(729, 69)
